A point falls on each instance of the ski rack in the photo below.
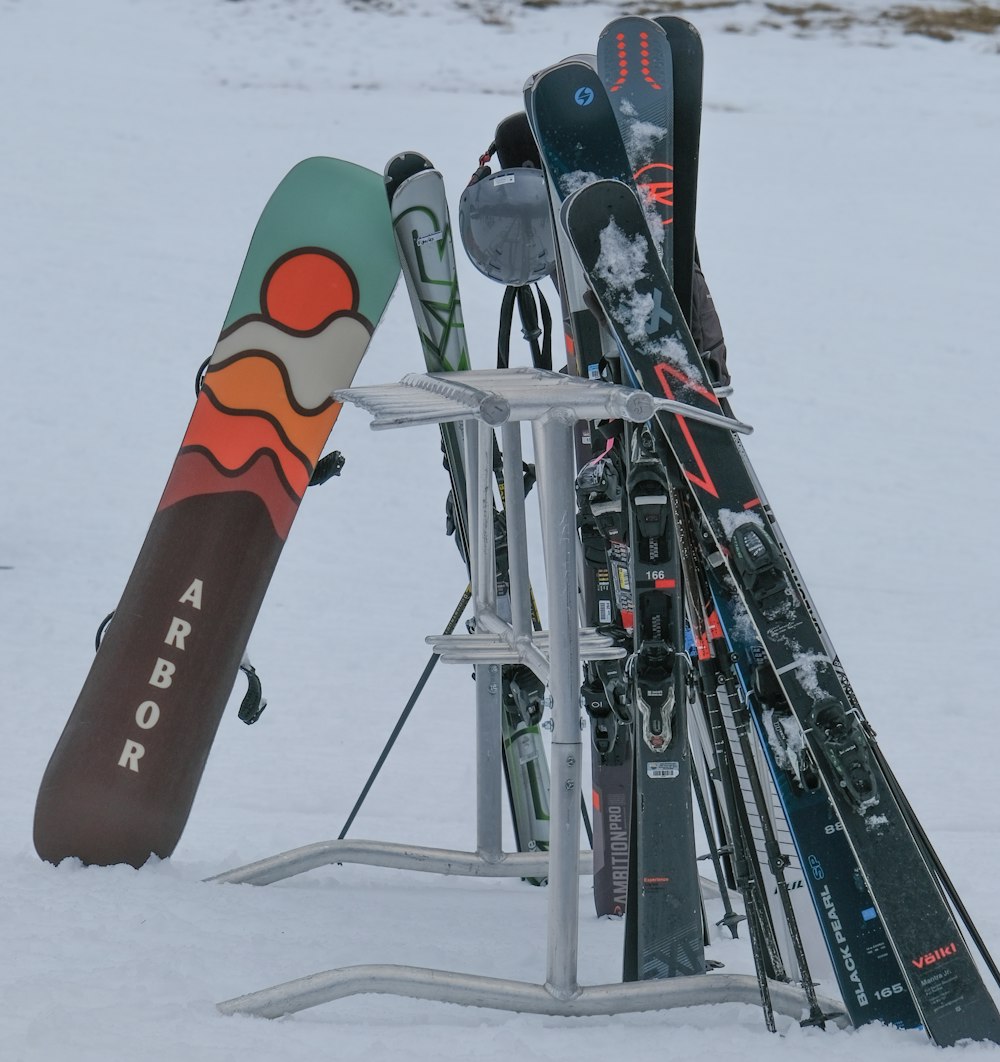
(553, 403)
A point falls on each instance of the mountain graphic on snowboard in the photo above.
(318, 274)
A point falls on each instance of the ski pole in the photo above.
(404, 715)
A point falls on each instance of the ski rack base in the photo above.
(471, 990)
(449, 861)
(553, 403)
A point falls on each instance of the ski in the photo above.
(664, 935)
(423, 231)
(635, 64)
(570, 113)
(589, 347)
(608, 228)
(318, 274)
(679, 185)
(871, 983)
(602, 518)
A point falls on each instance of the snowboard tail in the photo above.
(318, 274)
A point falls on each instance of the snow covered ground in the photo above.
(849, 230)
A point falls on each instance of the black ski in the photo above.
(608, 228)
(871, 983)
(680, 186)
(635, 63)
(664, 936)
(574, 84)
(570, 112)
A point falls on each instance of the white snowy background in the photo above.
(849, 229)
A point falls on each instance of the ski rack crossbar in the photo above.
(496, 396)
(552, 403)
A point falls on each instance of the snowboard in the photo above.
(319, 271)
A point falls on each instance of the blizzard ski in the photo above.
(608, 227)
(423, 232)
(318, 274)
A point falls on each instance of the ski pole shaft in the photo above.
(405, 714)
(730, 918)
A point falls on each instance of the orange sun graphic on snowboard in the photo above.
(265, 411)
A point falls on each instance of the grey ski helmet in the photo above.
(506, 227)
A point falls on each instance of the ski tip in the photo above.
(401, 167)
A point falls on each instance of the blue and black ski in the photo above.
(609, 230)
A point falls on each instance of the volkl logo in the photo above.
(935, 956)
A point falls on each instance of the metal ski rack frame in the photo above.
(552, 403)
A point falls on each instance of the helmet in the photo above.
(506, 226)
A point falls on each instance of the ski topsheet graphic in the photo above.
(319, 271)
(605, 219)
(424, 237)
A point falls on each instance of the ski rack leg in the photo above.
(555, 466)
(556, 655)
(489, 737)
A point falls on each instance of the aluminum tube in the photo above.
(555, 467)
(471, 990)
(471, 494)
(394, 856)
(489, 749)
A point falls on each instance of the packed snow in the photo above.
(849, 231)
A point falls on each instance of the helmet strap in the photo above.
(536, 325)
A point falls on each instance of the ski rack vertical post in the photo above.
(553, 403)
(478, 460)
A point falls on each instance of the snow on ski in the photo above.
(609, 230)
